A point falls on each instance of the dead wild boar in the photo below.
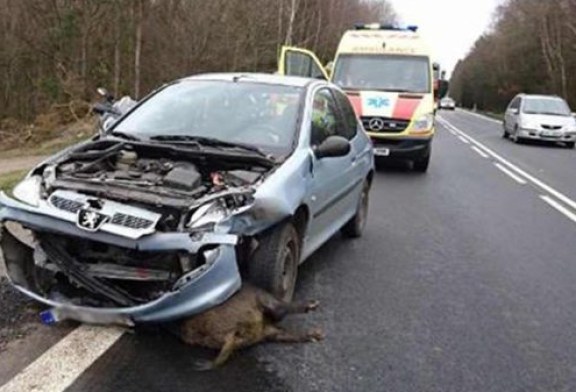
(246, 319)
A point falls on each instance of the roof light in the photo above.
(380, 26)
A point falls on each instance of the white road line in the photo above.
(464, 140)
(516, 178)
(480, 116)
(58, 367)
(559, 207)
(559, 195)
(480, 152)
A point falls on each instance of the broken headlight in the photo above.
(208, 215)
(28, 190)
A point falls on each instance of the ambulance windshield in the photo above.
(408, 74)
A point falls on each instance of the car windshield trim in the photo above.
(547, 113)
(546, 107)
(292, 97)
(202, 141)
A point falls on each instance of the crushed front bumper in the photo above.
(196, 291)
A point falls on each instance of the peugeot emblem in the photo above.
(90, 220)
(376, 124)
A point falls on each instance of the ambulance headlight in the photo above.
(422, 124)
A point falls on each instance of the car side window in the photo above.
(515, 103)
(324, 117)
(349, 127)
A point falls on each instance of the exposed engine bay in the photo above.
(152, 174)
(131, 190)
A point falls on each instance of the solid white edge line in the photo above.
(560, 208)
(559, 195)
(482, 116)
(480, 152)
(510, 174)
(63, 363)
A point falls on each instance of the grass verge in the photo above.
(9, 180)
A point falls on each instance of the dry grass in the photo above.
(71, 134)
(61, 126)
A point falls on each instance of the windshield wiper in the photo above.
(208, 141)
(553, 114)
(124, 135)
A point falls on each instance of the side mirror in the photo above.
(514, 111)
(102, 109)
(332, 147)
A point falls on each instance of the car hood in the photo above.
(543, 119)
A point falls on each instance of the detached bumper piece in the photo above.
(104, 279)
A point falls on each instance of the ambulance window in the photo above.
(324, 117)
(349, 126)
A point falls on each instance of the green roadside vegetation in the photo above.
(47, 141)
(9, 180)
(494, 115)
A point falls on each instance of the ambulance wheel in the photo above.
(421, 165)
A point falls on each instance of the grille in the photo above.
(130, 221)
(384, 124)
(552, 127)
(119, 219)
(66, 204)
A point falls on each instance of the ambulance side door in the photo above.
(300, 62)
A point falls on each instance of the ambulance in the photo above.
(388, 75)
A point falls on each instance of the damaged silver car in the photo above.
(209, 180)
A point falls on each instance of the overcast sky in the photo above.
(450, 26)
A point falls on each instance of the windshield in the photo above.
(383, 72)
(555, 107)
(259, 115)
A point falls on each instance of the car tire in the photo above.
(274, 264)
(505, 133)
(355, 226)
(570, 145)
(421, 165)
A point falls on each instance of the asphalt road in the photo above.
(464, 281)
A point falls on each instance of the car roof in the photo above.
(539, 96)
(294, 81)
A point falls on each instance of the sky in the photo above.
(450, 26)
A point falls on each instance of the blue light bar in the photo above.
(380, 26)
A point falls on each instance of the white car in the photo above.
(540, 117)
(447, 103)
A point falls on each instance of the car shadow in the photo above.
(540, 143)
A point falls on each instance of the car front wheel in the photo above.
(274, 265)
(505, 133)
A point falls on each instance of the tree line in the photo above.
(530, 48)
(53, 52)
